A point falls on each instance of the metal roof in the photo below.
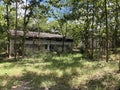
(37, 35)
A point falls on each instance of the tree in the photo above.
(8, 24)
(106, 24)
(116, 28)
(40, 14)
(7, 17)
(27, 14)
(60, 10)
(93, 8)
(86, 27)
(16, 25)
(3, 39)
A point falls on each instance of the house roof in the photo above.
(38, 35)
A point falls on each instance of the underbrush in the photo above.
(59, 72)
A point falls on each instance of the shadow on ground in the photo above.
(33, 80)
(36, 81)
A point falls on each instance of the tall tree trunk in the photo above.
(116, 26)
(33, 46)
(25, 23)
(119, 65)
(116, 30)
(64, 38)
(23, 41)
(106, 22)
(38, 37)
(100, 46)
(86, 30)
(92, 51)
(15, 48)
(8, 36)
(63, 44)
(24, 31)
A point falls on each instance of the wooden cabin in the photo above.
(40, 41)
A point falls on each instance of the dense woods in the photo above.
(94, 26)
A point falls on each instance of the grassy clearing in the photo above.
(64, 72)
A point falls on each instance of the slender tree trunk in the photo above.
(100, 46)
(24, 32)
(23, 42)
(38, 37)
(64, 38)
(33, 47)
(8, 36)
(119, 65)
(92, 51)
(63, 43)
(15, 48)
(106, 22)
(116, 27)
(116, 30)
(86, 30)
(25, 23)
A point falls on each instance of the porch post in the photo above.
(11, 47)
(48, 47)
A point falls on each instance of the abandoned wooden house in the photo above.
(39, 41)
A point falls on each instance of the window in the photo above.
(46, 46)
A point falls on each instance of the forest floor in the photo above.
(63, 72)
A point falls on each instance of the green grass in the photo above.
(63, 72)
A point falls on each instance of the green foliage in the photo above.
(2, 30)
(66, 71)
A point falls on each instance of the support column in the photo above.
(11, 47)
(48, 47)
